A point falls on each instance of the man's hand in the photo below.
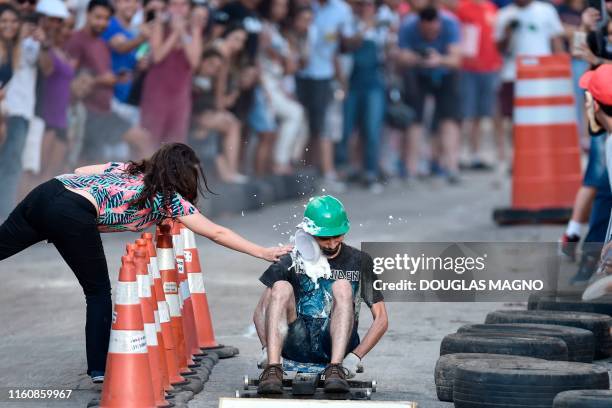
(352, 363)
(433, 59)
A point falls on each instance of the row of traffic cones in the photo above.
(162, 343)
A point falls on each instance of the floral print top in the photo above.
(115, 190)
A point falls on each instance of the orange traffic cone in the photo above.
(163, 365)
(169, 276)
(128, 375)
(189, 326)
(205, 334)
(203, 322)
(148, 316)
(172, 363)
(546, 170)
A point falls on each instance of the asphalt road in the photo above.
(42, 307)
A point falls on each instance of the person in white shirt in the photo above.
(18, 104)
(525, 27)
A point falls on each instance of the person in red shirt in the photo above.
(480, 67)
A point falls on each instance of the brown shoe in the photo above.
(271, 380)
(335, 379)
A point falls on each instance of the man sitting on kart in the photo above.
(309, 311)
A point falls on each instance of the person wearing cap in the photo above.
(19, 105)
(57, 75)
(312, 317)
(598, 89)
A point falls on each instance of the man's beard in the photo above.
(330, 252)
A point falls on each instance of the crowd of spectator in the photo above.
(362, 90)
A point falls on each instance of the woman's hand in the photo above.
(201, 225)
(273, 254)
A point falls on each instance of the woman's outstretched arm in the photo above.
(228, 238)
(93, 169)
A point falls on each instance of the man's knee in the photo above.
(262, 305)
(282, 291)
(342, 291)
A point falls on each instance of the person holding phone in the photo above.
(176, 46)
(24, 47)
(124, 42)
(430, 55)
(104, 129)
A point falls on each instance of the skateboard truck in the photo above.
(308, 383)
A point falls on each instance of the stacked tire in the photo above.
(523, 359)
(598, 324)
(513, 384)
(580, 342)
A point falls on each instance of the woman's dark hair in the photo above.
(100, 3)
(231, 27)
(9, 7)
(211, 52)
(174, 168)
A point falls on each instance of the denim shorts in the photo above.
(309, 341)
(596, 165)
(478, 94)
(261, 118)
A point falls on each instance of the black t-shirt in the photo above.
(237, 12)
(351, 264)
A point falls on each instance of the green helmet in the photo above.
(325, 217)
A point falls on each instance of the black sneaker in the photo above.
(335, 379)
(271, 380)
(586, 268)
(568, 245)
(97, 377)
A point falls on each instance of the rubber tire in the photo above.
(574, 303)
(580, 342)
(497, 383)
(597, 323)
(584, 399)
(446, 366)
(548, 348)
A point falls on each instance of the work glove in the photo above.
(352, 363)
(263, 358)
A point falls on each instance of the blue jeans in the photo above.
(600, 215)
(579, 67)
(365, 108)
(596, 166)
(10, 162)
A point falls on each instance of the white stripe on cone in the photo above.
(177, 244)
(188, 239)
(164, 311)
(545, 115)
(538, 88)
(165, 259)
(150, 334)
(185, 290)
(173, 304)
(144, 286)
(153, 269)
(127, 342)
(126, 293)
(196, 282)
